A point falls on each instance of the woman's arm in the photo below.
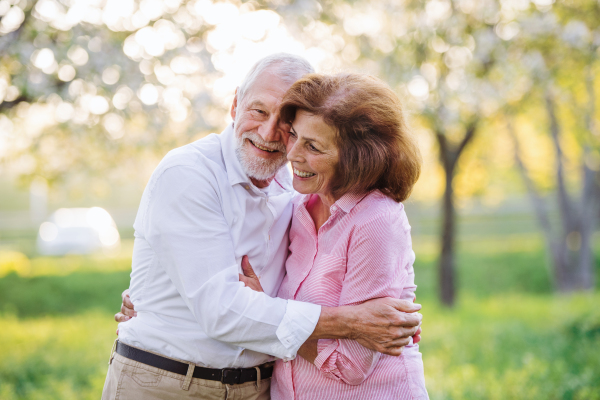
(379, 264)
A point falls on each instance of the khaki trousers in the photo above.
(132, 380)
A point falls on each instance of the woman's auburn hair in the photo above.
(376, 148)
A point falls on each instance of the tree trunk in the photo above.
(449, 155)
(570, 246)
(573, 264)
(447, 267)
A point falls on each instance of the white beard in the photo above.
(257, 167)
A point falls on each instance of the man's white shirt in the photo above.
(198, 216)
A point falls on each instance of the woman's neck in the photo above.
(318, 207)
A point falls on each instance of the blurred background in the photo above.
(502, 96)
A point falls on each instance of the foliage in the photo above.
(56, 294)
(101, 90)
(500, 347)
(63, 357)
(115, 79)
(15, 262)
(513, 347)
(507, 338)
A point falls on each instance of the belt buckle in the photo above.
(231, 376)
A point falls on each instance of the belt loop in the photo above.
(188, 378)
(112, 351)
(257, 378)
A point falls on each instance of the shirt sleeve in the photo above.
(379, 264)
(185, 225)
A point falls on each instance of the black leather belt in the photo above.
(229, 376)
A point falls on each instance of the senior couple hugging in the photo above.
(251, 282)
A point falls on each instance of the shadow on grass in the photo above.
(55, 295)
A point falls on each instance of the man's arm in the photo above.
(383, 325)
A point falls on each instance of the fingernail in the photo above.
(418, 305)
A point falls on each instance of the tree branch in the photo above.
(539, 205)
(564, 201)
(469, 135)
(6, 105)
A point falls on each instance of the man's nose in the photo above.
(270, 130)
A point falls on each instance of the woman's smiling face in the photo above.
(312, 151)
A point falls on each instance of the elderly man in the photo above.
(199, 332)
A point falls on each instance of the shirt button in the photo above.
(247, 187)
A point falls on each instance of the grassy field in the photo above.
(508, 337)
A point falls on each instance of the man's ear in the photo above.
(234, 105)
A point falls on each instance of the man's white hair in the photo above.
(288, 67)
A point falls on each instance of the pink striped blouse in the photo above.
(362, 252)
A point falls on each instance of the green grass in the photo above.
(78, 293)
(61, 357)
(513, 347)
(508, 337)
(503, 347)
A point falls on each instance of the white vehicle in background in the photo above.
(78, 231)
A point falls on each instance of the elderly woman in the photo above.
(354, 161)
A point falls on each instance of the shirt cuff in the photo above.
(297, 325)
(325, 348)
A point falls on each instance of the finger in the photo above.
(243, 279)
(409, 319)
(416, 339)
(125, 294)
(117, 332)
(392, 351)
(120, 317)
(247, 268)
(406, 306)
(127, 311)
(127, 302)
(400, 342)
(400, 337)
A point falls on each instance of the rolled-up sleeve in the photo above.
(185, 225)
(379, 264)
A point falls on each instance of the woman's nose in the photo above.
(293, 153)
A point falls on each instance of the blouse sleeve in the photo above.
(380, 264)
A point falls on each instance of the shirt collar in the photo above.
(345, 203)
(348, 201)
(236, 173)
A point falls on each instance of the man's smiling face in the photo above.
(260, 147)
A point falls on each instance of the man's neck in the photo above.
(261, 184)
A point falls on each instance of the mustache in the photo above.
(255, 137)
